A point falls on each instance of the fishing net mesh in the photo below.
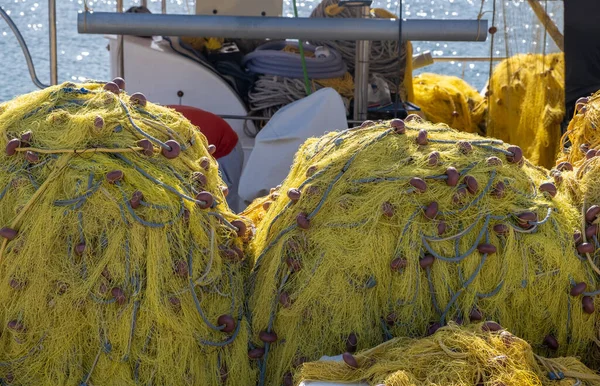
(454, 356)
(578, 171)
(582, 138)
(450, 100)
(525, 93)
(526, 104)
(120, 262)
(378, 233)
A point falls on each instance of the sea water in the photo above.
(86, 56)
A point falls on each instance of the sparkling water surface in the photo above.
(86, 56)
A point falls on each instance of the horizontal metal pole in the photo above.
(468, 58)
(264, 119)
(256, 27)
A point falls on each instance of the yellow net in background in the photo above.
(578, 173)
(377, 234)
(120, 262)
(582, 139)
(453, 356)
(526, 105)
(449, 100)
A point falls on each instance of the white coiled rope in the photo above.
(384, 59)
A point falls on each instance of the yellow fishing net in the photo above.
(449, 100)
(526, 98)
(397, 228)
(257, 209)
(120, 262)
(453, 356)
(583, 134)
(578, 171)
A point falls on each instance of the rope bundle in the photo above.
(454, 355)
(384, 60)
(449, 100)
(272, 92)
(526, 104)
(120, 262)
(396, 229)
(273, 58)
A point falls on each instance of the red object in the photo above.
(215, 129)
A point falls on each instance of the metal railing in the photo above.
(53, 43)
(34, 78)
(121, 68)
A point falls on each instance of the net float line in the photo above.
(397, 228)
(483, 353)
(120, 260)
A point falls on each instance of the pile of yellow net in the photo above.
(526, 105)
(578, 169)
(477, 355)
(583, 133)
(397, 228)
(450, 100)
(120, 262)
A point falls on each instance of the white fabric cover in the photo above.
(277, 143)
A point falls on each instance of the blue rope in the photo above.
(456, 236)
(150, 223)
(136, 307)
(492, 293)
(593, 293)
(379, 179)
(195, 297)
(101, 301)
(568, 317)
(464, 286)
(36, 186)
(386, 331)
(155, 206)
(229, 340)
(289, 204)
(140, 131)
(463, 256)
(492, 148)
(148, 176)
(127, 262)
(3, 193)
(24, 357)
(171, 132)
(476, 200)
(80, 226)
(432, 291)
(79, 199)
(526, 195)
(136, 371)
(470, 167)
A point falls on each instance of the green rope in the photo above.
(301, 48)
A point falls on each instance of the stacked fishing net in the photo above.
(526, 104)
(394, 229)
(257, 210)
(449, 100)
(578, 170)
(582, 138)
(481, 354)
(121, 263)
